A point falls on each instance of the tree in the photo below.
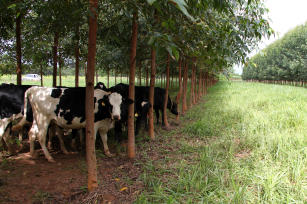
(89, 102)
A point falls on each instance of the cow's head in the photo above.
(172, 106)
(116, 105)
(142, 108)
(101, 86)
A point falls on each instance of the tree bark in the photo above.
(151, 94)
(180, 86)
(41, 72)
(192, 88)
(18, 49)
(147, 75)
(166, 124)
(55, 58)
(89, 99)
(131, 136)
(200, 85)
(185, 82)
(60, 68)
(140, 73)
(108, 77)
(161, 82)
(77, 57)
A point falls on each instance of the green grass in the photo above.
(69, 80)
(246, 144)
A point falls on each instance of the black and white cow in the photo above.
(142, 94)
(66, 107)
(12, 108)
(141, 107)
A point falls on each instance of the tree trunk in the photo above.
(180, 86)
(121, 76)
(18, 49)
(55, 58)
(77, 57)
(41, 72)
(108, 77)
(172, 81)
(151, 94)
(60, 68)
(131, 137)
(89, 99)
(115, 76)
(199, 86)
(77, 60)
(140, 73)
(161, 82)
(185, 82)
(192, 88)
(147, 75)
(166, 124)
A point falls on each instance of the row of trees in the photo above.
(195, 39)
(283, 60)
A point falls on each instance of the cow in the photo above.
(141, 107)
(66, 108)
(12, 109)
(159, 95)
(142, 94)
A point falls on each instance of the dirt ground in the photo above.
(25, 180)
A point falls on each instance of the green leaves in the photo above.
(151, 1)
(182, 6)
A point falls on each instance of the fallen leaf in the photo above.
(123, 189)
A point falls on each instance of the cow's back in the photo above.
(12, 99)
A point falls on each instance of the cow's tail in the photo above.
(23, 121)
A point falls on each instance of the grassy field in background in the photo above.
(68, 81)
(244, 143)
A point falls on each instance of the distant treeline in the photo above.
(285, 60)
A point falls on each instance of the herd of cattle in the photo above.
(64, 108)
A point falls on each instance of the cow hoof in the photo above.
(66, 152)
(51, 160)
(109, 154)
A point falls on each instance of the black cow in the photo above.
(66, 107)
(12, 108)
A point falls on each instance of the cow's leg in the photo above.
(60, 133)
(42, 125)
(138, 124)
(9, 141)
(51, 133)
(162, 116)
(3, 126)
(157, 115)
(32, 136)
(103, 134)
(118, 131)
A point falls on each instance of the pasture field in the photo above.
(69, 80)
(244, 143)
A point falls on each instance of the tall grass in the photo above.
(246, 144)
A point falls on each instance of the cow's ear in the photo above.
(129, 101)
(104, 100)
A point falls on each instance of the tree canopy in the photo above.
(218, 33)
(285, 59)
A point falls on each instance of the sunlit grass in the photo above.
(246, 144)
(69, 81)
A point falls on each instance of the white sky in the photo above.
(284, 15)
